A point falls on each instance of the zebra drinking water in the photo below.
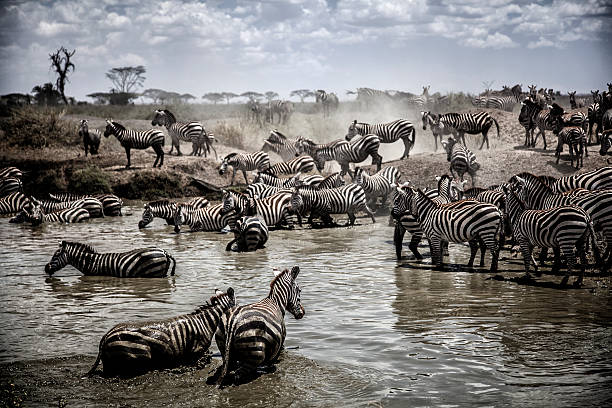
(386, 132)
(138, 263)
(245, 162)
(35, 215)
(137, 347)
(165, 209)
(136, 139)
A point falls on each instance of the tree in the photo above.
(270, 95)
(228, 96)
(100, 98)
(126, 79)
(186, 97)
(60, 62)
(154, 94)
(46, 94)
(252, 96)
(302, 94)
(214, 97)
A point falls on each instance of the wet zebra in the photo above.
(165, 209)
(329, 101)
(92, 205)
(10, 185)
(386, 132)
(137, 263)
(281, 145)
(253, 335)
(470, 123)
(274, 181)
(575, 138)
(13, 203)
(245, 162)
(136, 139)
(300, 164)
(250, 234)
(377, 185)
(274, 210)
(111, 203)
(137, 347)
(210, 218)
(323, 202)
(430, 119)
(35, 215)
(7, 172)
(461, 159)
(91, 137)
(193, 132)
(563, 228)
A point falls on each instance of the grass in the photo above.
(36, 127)
(90, 180)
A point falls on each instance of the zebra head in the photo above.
(160, 118)
(226, 162)
(112, 128)
(241, 203)
(448, 146)
(402, 200)
(319, 95)
(83, 127)
(297, 201)
(595, 95)
(35, 215)
(284, 288)
(58, 260)
(353, 130)
(147, 216)
(360, 174)
(226, 300)
(178, 216)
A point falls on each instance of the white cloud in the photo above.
(114, 20)
(496, 40)
(542, 42)
(50, 29)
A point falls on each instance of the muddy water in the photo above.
(376, 331)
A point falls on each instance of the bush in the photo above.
(229, 135)
(38, 128)
(90, 180)
(152, 185)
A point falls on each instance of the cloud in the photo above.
(542, 42)
(52, 28)
(496, 40)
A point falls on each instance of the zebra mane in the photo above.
(530, 176)
(229, 156)
(81, 246)
(277, 277)
(118, 125)
(210, 303)
(170, 114)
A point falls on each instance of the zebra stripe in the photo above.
(138, 263)
(505, 103)
(253, 335)
(93, 206)
(527, 119)
(245, 162)
(575, 138)
(470, 123)
(36, 216)
(281, 145)
(91, 137)
(592, 113)
(111, 203)
(301, 164)
(134, 348)
(251, 234)
(387, 132)
(165, 209)
(7, 172)
(193, 132)
(274, 209)
(136, 139)
(274, 181)
(211, 218)
(377, 185)
(10, 185)
(13, 203)
(461, 159)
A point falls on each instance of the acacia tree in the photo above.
(60, 62)
(126, 79)
(214, 97)
(46, 94)
(270, 95)
(252, 96)
(302, 94)
(228, 96)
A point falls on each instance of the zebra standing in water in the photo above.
(136, 139)
(378, 185)
(13, 203)
(93, 206)
(138, 263)
(253, 335)
(245, 162)
(91, 138)
(329, 101)
(470, 123)
(134, 348)
(36, 216)
(461, 159)
(165, 209)
(274, 209)
(430, 119)
(386, 132)
(211, 218)
(301, 164)
(251, 234)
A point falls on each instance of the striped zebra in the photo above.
(367, 97)
(420, 101)
(245, 162)
(193, 132)
(461, 159)
(93, 206)
(543, 121)
(576, 103)
(13, 203)
(355, 151)
(470, 123)
(10, 185)
(137, 347)
(606, 144)
(329, 101)
(563, 228)
(36, 216)
(377, 185)
(505, 102)
(284, 109)
(136, 139)
(111, 203)
(480, 101)
(387, 132)
(253, 335)
(472, 223)
(210, 218)
(281, 145)
(300, 164)
(137, 263)
(527, 119)
(334, 180)
(575, 138)
(592, 113)
(323, 202)
(165, 209)
(91, 137)
(251, 234)
(7, 172)
(430, 119)
(274, 210)
(274, 181)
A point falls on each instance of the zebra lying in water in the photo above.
(253, 335)
(134, 348)
(34, 214)
(138, 263)
(250, 234)
(93, 206)
(111, 203)
(165, 209)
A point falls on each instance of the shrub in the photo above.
(89, 180)
(38, 128)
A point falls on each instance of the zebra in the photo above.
(563, 227)
(333, 180)
(576, 103)
(377, 185)
(136, 139)
(134, 348)
(137, 263)
(386, 132)
(461, 159)
(13, 203)
(210, 218)
(575, 138)
(274, 210)
(7, 172)
(429, 118)
(606, 143)
(111, 203)
(91, 138)
(253, 335)
(284, 109)
(505, 103)
(245, 162)
(271, 180)
(281, 145)
(329, 101)
(527, 118)
(93, 206)
(472, 223)
(165, 209)
(368, 96)
(419, 101)
(346, 199)
(480, 101)
(251, 234)
(471, 123)
(34, 214)
(193, 132)
(592, 118)
(300, 164)
(606, 122)
(10, 185)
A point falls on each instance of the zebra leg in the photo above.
(571, 262)
(414, 244)
(398, 239)
(407, 147)
(351, 221)
(127, 153)
(526, 249)
(435, 244)
(159, 151)
(246, 180)
(485, 138)
(233, 175)
(473, 250)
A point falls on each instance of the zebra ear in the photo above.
(62, 244)
(438, 178)
(277, 271)
(355, 122)
(294, 272)
(230, 292)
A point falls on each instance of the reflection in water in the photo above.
(376, 330)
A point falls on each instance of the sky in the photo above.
(237, 46)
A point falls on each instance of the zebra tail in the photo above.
(98, 358)
(413, 135)
(496, 125)
(599, 261)
(171, 258)
(229, 338)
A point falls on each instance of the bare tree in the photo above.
(60, 62)
(487, 86)
(302, 94)
(126, 78)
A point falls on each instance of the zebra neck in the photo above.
(86, 262)
(119, 135)
(515, 209)
(279, 297)
(205, 317)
